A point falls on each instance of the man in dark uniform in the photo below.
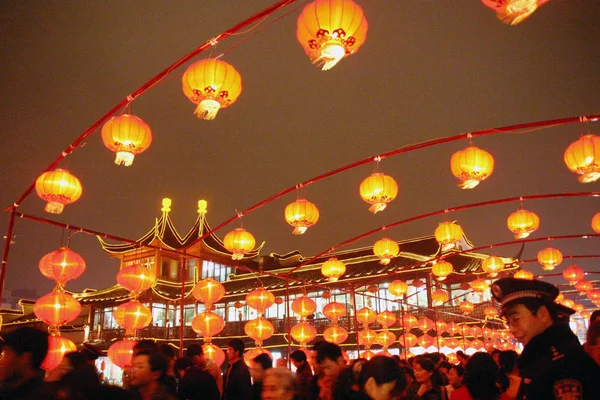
(553, 364)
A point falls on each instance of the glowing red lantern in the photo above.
(408, 321)
(367, 355)
(378, 190)
(568, 303)
(331, 30)
(386, 249)
(208, 324)
(208, 291)
(583, 286)
(212, 85)
(132, 315)
(58, 188)
(57, 308)
(278, 300)
(326, 295)
(57, 347)
(522, 223)
(594, 295)
(334, 311)
(239, 242)
(573, 274)
(214, 353)
(418, 283)
(439, 296)
(513, 12)
(259, 329)
(471, 166)
(335, 334)
(304, 306)
(442, 269)
(492, 265)
(253, 353)
(385, 338)
(549, 258)
(366, 316)
(386, 319)
(136, 278)
(440, 327)
(333, 269)
(238, 304)
(367, 337)
(490, 311)
(596, 222)
(303, 332)
(62, 265)
(126, 135)
(121, 352)
(301, 214)
(408, 340)
(425, 341)
(425, 324)
(524, 274)
(583, 158)
(466, 307)
(448, 234)
(260, 299)
(479, 285)
(398, 288)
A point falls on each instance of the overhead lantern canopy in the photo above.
(471, 166)
(301, 214)
(239, 241)
(378, 190)
(330, 30)
(583, 158)
(212, 85)
(126, 135)
(522, 223)
(58, 188)
(513, 12)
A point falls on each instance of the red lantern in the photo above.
(278, 300)
(136, 278)
(303, 332)
(439, 296)
(366, 316)
(132, 315)
(408, 321)
(490, 311)
(208, 324)
(583, 286)
(596, 222)
(522, 223)
(301, 214)
(62, 265)
(335, 334)
(386, 249)
(398, 288)
(549, 258)
(418, 283)
(385, 338)
(208, 291)
(568, 303)
(238, 304)
(479, 285)
(121, 352)
(425, 341)
(57, 308)
(367, 355)
(452, 328)
(326, 295)
(239, 242)
(58, 188)
(573, 274)
(378, 190)
(214, 353)
(333, 269)
(253, 353)
(126, 135)
(594, 295)
(440, 327)
(524, 274)
(492, 265)
(334, 311)
(386, 319)
(212, 85)
(408, 340)
(304, 306)
(260, 299)
(448, 234)
(57, 347)
(425, 324)
(471, 166)
(512, 12)
(367, 337)
(583, 158)
(466, 307)
(259, 329)
(442, 269)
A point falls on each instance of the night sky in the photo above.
(429, 69)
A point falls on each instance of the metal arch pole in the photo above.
(181, 311)
(287, 320)
(353, 300)
(7, 243)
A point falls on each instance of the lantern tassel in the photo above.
(237, 256)
(385, 261)
(330, 55)
(589, 177)
(207, 109)
(299, 230)
(54, 207)
(468, 184)
(513, 13)
(124, 158)
(375, 208)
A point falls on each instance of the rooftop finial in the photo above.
(202, 207)
(166, 205)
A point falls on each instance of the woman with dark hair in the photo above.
(455, 378)
(430, 380)
(508, 377)
(480, 376)
(380, 378)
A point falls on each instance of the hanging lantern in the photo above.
(58, 188)
(425, 341)
(479, 285)
(331, 30)
(568, 303)
(593, 295)
(418, 283)
(522, 223)
(385, 338)
(465, 286)
(278, 300)
(253, 353)
(57, 308)
(214, 353)
(58, 346)
(136, 278)
(466, 307)
(126, 135)
(372, 288)
(301, 214)
(583, 286)
(333, 269)
(471, 166)
(596, 222)
(259, 329)
(549, 258)
(367, 337)
(335, 334)
(208, 291)
(425, 324)
(238, 304)
(440, 327)
(366, 316)
(132, 315)
(408, 321)
(442, 269)
(208, 324)
(490, 311)
(304, 306)
(578, 308)
(326, 295)
(439, 296)
(386, 249)
(407, 340)
(121, 352)
(573, 274)
(62, 265)
(524, 274)
(492, 265)
(239, 242)
(583, 158)
(378, 190)
(212, 85)
(386, 319)
(513, 12)
(260, 299)
(303, 332)
(585, 314)
(398, 288)
(367, 355)
(448, 234)
(334, 311)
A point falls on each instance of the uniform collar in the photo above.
(558, 335)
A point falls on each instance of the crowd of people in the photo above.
(553, 365)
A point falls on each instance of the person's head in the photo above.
(593, 341)
(69, 362)
(259, 365)
(182, 365)
(507, 360)
(167, 351)
(235, 349)
(481, 376)
(425, 372)
(408, 375)
(91, 353)
(356, 366)
(527, 318)
(196, 354)
(443, 367)
(329, 358)
(81, 382)
(455, 375)
(23, 351)
(381, 378)
(595, 316)
(462, 357)
(495, 355)
(145, 345)
(148, 367)
(278, 384)
(298, 358)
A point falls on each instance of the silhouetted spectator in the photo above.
(381, 378)
(200, 360)
(303, 374)
(593, 341)
(148, 367)
(194, 383)
(236, 382)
